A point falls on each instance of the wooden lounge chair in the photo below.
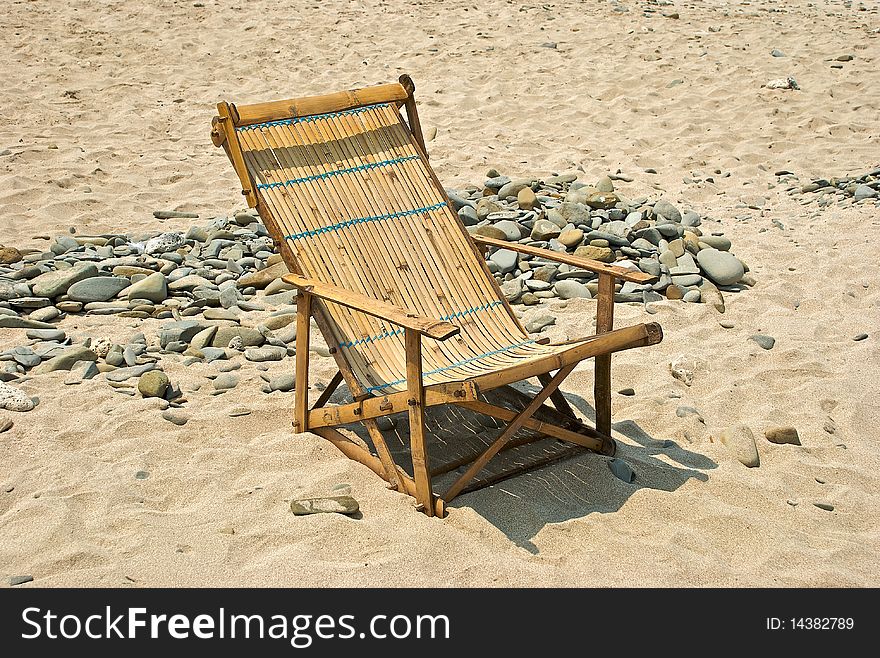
(399, 289)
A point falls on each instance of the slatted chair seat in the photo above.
(398, 287)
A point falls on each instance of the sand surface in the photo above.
(106, 110)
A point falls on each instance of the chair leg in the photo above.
(602, 379)
(416, 390)
(557, 398)
(384, 454)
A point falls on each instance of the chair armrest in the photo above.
(569, 259)
(437, 329)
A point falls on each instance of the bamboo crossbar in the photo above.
(437, 329)
(246, 115)
(397, 286)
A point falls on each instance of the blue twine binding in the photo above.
(313, 117)
(379, 387)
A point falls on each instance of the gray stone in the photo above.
(221, 314)
(687, 280)
(622, 470)
(505, 259)
(511, 229)
(828, 507)
(189, 282)
(718, 242)
(766, 342)
(690, 218)
(175, 416)
(864, 192)
(123, 374)
(326, 505)
(81, 370)
(512, 188)
(284, 383)
(225, 381)
(544, 230)
(693, 296)
(741, 443)
(212, 354)
(46, 334)
(860, 337)
(539, 322)
(667, 210)
(66, 359)
(722, 267)
(181, 331)
(153, 288)
(780, 435)
(571, 289)
(267, 353)
(97, 288)
(248, 336)
(19, 580)
(513, 289)
(46, 314)
(153, 384)
(468, 215)
(52, 284)
(573, 213)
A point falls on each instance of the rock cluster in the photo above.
(206, 283)
(863, 189)
(596, 221)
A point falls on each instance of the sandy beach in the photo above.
(106, 109)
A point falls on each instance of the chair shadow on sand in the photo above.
(572, 483)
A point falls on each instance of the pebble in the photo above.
(239, 411)
(175, 416)
(764, 341)
(5, 424)
(627, 391)
(123, 374)
(154, 288)
(859, 337)
(52, 284)
(97, 288)
(722, 267)
(247, 337)
(14, 322)
(328, 504)
(225, 381)
(571, 289)
(66, 359)
(19, 580)
(741, 443)
(14, 399)
(536, 324)
(284, 383)
(153, 384)
(46, 334)
(622, 470)
(80, 371)
(268, 353)
(828, 507)
(782, 435)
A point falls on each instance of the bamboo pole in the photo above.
(416, 391)
(301, 393)
(602, 380)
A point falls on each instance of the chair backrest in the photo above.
(353, 201)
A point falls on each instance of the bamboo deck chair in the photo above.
(398, 288)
